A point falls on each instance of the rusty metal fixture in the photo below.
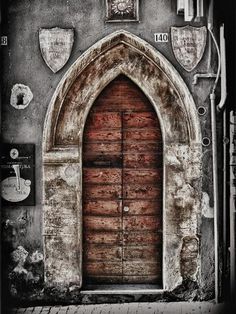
(202, 75)
(201, 111)
(206, 141)
(21, 96)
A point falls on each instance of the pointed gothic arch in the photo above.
(120, 53)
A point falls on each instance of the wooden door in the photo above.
(122, 188)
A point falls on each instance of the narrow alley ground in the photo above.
(131, 308)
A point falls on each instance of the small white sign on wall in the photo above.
(161, 37)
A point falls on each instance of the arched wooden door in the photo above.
(122, 188)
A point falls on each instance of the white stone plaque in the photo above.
(56, 46)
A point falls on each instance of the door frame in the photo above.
(120, 53)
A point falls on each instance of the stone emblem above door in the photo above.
(56, 46)
(122, 10)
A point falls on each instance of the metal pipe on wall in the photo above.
(214, 158)
(210, 13)
(232, 217)
(215, 187)
(210, 25)
(225, 142)
(223, 69)
(188, 10)
(200, 8)
(225, 202)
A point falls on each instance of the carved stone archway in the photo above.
(121, 53)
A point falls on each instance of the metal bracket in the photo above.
(202, 75)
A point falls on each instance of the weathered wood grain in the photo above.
(103, 268)
(142, 160)
(102, 253)
(136, 223)
(141, 135)
(102, 160)
(140, 120)
(102, 191)
(104, 120)
(103, 175)
(117, 105)
(148, 279)
(142, 191)
(143, 146)
(102, 148)
(143, 176)
(100, 237)
(136, 268)
(102, 135)
(148, 253)
(143, 207)
(101, 279)
(102, 223)
(102, 208)
(131, 238)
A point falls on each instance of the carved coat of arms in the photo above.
(122, 10)
(56, 46)
(188, 44)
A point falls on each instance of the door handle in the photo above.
(126, 208)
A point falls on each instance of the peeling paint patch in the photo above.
(12, 229)
(71, 174)
(36, 257)
(207, 210)
(19, 255)
(189, 257)
(184, 197)
(21, 96)
(188, 290)
(25, 272)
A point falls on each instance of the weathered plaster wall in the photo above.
(22, 226)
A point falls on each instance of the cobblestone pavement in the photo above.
(130, 308)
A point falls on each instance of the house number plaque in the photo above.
(17, 174)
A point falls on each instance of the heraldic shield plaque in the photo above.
(56, 46)
(188, 44)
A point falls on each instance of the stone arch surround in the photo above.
(121, 53)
